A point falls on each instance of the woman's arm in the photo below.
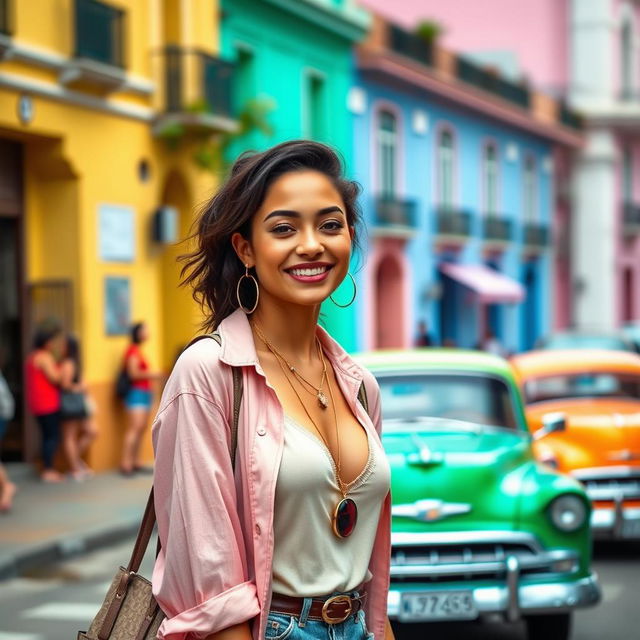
(388, 632)
(45, 362)
(237, 632)
(135, 370)
(67, 370)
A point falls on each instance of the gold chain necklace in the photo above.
(320, 395)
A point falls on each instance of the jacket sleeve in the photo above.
(200, 577)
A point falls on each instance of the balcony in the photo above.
(453, 226)
(197, 91)
(98, 59)
(395, 218)
(409, 45)
(496, 231)
(535, 236)
(6, 28)
(475, 75)
(570, 118)
(631, 219)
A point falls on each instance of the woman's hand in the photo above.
(388, 632)
(237, 632)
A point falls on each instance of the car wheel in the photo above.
(555, 626)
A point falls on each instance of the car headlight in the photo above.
(568, 512)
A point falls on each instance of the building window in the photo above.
(387, 153)
(626, 59)
(445, 169)
(627, 175)
(99, 32)
(315, 111)
(490, 179)
(530, 191)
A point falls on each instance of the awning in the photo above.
(490, 285)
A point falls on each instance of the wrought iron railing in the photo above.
(569, 117)
(497, 229)
(450, 221)
(99, 32)
(392, 212)
(478, 77)
(535, 235)
(410, 45)
(6, 25)
(214, 78)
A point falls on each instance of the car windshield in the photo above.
(579, 341)
(591, 385)
(471, 398)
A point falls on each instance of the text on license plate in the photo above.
(437, 605)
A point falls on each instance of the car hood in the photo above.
(462, 478)
(600, 432)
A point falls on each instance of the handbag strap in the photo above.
(149, 517)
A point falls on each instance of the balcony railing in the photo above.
(6, 26)
(453, 222)
(410, 45)
(395, 213)
(631, 219)
(535, 235)
(569, 117)
(99, 32)
(497, 229)
(479, 77)
(212, 90)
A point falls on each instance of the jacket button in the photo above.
(262, 431)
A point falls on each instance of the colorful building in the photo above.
(585, 52)
(297, 58)
(458, 167)
(92, 195)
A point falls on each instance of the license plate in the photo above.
(630, 529)
(437, 605)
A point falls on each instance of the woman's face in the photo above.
(300, 241)
(143, 333)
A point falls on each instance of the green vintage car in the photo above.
(480, 529)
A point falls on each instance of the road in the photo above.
(57, 601)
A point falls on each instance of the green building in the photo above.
(297, 56)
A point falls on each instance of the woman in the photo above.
(7, 408)
(138, 400)
(257, 548)
(78, 431)
(43, 377)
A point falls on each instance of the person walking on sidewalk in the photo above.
(78, 427)
(137, 401)
(293, 539)
(7, 408)
(42, 378)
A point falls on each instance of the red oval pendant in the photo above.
(345, 517)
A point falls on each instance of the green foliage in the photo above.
(429, 30)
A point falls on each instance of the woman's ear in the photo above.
(243, 250)
(352, 231)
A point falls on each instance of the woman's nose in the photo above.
(310, 244)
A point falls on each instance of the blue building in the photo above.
(457, 166)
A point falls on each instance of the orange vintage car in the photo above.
(583, 407)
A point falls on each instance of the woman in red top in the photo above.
(137, 401)
(43, 395)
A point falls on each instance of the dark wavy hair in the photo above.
(213, 267)
(135, 332)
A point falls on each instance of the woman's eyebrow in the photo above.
(295, 214)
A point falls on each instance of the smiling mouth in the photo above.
(310, 274)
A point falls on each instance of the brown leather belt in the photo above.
(332, 610)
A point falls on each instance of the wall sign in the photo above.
(25, 108)
(117, 306)
(116, 233)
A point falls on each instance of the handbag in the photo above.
(123, 384)
(73, 405)
(129, 610)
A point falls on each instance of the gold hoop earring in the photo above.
(255, 282)
(353, 297)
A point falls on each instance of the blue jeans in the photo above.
(138, 399)
(283, 626)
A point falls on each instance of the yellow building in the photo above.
(89, 188)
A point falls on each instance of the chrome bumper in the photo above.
(511, 599)
(616, 522)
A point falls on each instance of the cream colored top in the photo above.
(309, 559)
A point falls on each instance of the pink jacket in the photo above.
(216, 527)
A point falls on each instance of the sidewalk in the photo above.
(53, 521)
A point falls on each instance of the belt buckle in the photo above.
(333, 600)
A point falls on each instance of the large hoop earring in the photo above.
(353, 297)
(255, 282)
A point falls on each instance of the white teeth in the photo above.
(316, 271)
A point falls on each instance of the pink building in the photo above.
(587, 53)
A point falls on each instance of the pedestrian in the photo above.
(7, 408)
(423, 339)
(42, 380)
(137, 401)
(78, 424)
(293, 540)
(491, 344)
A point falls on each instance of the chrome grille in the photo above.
(612, 488)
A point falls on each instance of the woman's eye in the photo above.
(332, 225)
(282, 228)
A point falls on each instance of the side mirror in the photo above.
(551, 423)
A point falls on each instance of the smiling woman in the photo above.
(293, 539)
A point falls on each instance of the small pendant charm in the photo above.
(345, 517)
(322, 400)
